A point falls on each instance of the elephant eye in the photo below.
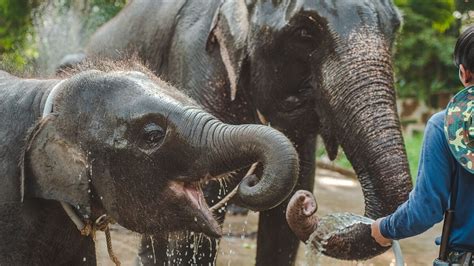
(152, 134)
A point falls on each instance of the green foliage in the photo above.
(423, 59)
(13, 18)
(18, 48)
(99, 12)
(413, 149)
(15, 22)
(341, 159)
(438, 12)
(464, 6)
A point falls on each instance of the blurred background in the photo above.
(36, 34)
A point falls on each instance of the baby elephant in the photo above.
(124, 144)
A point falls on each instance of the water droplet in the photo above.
(328, 226)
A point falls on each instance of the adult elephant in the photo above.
(306, 67)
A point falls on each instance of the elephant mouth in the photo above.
(194, 194)
(198, 213)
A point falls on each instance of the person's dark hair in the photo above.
(464, 50)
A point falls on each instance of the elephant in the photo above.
(116, 140)
(327, 233)
(307, 67)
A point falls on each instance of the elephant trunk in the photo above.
(367, 123)
(229, 147)
(363, 112)
(301, 214)
(267, 146)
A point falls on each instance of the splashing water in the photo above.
(338, 223)
(328, 226)
(335, 223)
(153, 249)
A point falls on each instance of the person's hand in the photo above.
(379, 238)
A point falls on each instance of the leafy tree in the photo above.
(464, 5)
(101, 11)
(20, 42)
(423, 59)
(15, 22)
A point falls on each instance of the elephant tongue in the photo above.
(194, 194)
(204, 219)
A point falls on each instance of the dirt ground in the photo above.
(334, 192)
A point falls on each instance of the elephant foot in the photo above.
(340, 235)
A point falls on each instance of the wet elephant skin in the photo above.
(309, 67)
(123, 143)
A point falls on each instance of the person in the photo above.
(446, 164)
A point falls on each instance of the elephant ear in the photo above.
(55, 169)
(230, 28)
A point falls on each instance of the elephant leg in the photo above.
(276, 243)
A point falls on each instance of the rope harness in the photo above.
(86, 227)
(102, 224)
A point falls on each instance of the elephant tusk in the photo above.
(262, 118)
(234, 191)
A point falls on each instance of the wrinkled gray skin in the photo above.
(311, 67)
(124, 144)
(340, 242)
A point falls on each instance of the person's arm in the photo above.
(377, 235)
(428, 200)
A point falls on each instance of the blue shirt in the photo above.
(429, 199)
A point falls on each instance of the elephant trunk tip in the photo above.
(301, 214)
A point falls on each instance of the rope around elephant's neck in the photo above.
(102, 223)
(108, 239)
(229, 196)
